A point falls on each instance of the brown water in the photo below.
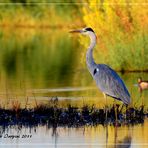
(42, 64)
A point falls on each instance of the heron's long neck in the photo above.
(89, 55)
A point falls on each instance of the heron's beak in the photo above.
(75, 31)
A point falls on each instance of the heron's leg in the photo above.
(105, 96)
(116, 119)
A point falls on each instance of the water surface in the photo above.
(84, 137)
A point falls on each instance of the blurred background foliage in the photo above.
(36, 13)
(122, 30)
(121, 26)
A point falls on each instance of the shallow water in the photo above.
(84, 137)
(37, 65)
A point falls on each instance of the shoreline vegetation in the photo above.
(71, 116)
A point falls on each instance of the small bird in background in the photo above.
(142, 84)
(107, 80)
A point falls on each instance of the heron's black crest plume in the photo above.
(89, 29)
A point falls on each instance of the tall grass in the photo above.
(121, 27)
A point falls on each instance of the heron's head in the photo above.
(85, 31)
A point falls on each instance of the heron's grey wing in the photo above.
(110, 83)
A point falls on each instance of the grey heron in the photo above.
(107, 80)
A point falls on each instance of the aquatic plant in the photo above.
(70, 116)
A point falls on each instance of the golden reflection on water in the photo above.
(85, 137)
(119, 136)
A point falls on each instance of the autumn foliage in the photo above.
(122, 30)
